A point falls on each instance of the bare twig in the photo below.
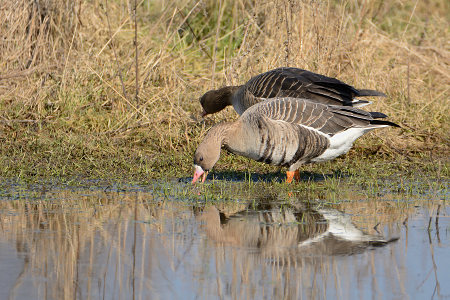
(63, 85)
(219, 21)
(122, 96)
(14, 74)
(119, 70)
(136, 54)
(197, 39)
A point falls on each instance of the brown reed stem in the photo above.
(219, 20)
(136, 96)
(119, 70)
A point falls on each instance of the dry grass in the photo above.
(71, 101)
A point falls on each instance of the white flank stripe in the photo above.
(342, 142)
(313, 129)
(361, 104)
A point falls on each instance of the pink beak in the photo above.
(204, 113)
(198, 171)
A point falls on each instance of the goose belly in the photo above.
(287, 144)
(278, 151)
(341, 143)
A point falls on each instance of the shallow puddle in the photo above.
(141, 242)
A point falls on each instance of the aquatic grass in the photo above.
(384, 205)
(328, 184)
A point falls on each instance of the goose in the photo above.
(287, 132)
(313, 238)
(285, 82)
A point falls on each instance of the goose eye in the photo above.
(201, 158)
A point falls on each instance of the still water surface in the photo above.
(61, 242)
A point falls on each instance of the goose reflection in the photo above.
(288, 231)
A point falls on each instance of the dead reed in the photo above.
(94, 87)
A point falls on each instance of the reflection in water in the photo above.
(91, 244)
(308, 232)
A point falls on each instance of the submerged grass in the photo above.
(78, 101)
(318, 189)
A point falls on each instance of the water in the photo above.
(97, 242)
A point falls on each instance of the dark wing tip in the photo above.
(382, 122)
(377, 115)
(363, 93)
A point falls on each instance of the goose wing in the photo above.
(326, 119)
(299, 83)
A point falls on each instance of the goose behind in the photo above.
(285, 82)
(287, 132)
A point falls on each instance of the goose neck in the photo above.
(225, 132)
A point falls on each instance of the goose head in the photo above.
(206, 156)
(208, 151)
(215, 100)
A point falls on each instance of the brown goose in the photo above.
(285, 82)
(287, 132)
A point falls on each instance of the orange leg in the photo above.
(297, 175)
(291, 175)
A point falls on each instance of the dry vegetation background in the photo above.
(91, 87)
